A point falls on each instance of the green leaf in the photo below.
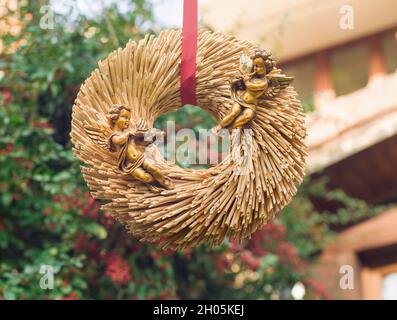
(9, 295)
(96, 230)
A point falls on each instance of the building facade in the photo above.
(343, 55)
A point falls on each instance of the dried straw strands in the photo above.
(206, 205)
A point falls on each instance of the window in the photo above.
(380, 282)
(389, 286)
(389, 51)
(349, 68)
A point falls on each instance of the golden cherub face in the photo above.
(123, 120)
(259, 66)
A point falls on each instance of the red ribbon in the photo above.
(189, 51)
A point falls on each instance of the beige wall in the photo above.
(294, 28)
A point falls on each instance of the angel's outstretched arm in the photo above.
(119, 139)
(257, 86)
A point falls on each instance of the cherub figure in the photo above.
(260, 79)
(130, 143)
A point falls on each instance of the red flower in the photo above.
(80, 243)
(27, 164)
(287, 253)
(286, 250)
(221, 264)
(107, 220)
(91, 209)
(16, 196)
(274, 231)
(93, 250)
(78, 203)
(234, 245)
(250, 260)
(6, 96)
(47, 211)
(72, 296)
(317, 289)
(9, 148)
(254, 263)
(246, 256)
(136, 246)
(267, 239)
(43, 125)
(117, 269)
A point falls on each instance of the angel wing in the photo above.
(98, 135)
(277, 82)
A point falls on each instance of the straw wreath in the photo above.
(206, 205)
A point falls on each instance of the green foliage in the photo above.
(191, 117)
(308, 105)
(188, 117)
(47, 217)
(309, 228)
(48, 69)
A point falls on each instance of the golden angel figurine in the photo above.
(130, 144)
(259, 79)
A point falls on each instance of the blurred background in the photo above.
(336, 240)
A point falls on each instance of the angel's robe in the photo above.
(123, 161)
